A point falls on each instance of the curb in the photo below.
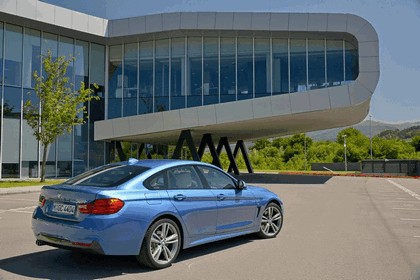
(17, 190)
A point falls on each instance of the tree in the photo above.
(60, 106)
(415, 142)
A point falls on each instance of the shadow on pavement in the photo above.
(58, 263)
(260, 178)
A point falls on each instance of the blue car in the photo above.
(151, 209)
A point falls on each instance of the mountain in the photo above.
(378, 127)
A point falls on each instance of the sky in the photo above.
(397, 22)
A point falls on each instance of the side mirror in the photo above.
(240, 185)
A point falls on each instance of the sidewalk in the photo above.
(17, 190)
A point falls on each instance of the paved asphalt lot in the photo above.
(344, 228)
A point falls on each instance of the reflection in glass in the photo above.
(316, 64)
(31, 56)
(227, 69)
(130, 79)
(1, 52)
(211, 71)
(335, 62)
(64, 142)
(298, 65)
(13, 44)
(245, 69)
(115, 82)
(262, 67)
(352, 62)
(65, 48)
(11, 125)
(280, 66)
(81, 63)
(146, 78)
(97, 107)
(177, 73)
(162, 76)
(195, 89)
(29, 143)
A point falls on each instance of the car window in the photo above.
(216, 179)
(184, 177)
(107, 176)
(157, 182)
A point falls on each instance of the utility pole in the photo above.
(345, 152)
(370, 124)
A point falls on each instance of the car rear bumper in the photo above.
(97, 235)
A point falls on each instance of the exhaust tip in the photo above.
(39, 242)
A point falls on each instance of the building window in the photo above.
(262, 67)
(162, 76)
(227, 69)
(177, 91)
(280, 66)
(352, 62)
(115, 82)
(195, 85)
(13, 55)
(245, 69)
(146, 78)
(211, 71)
(316, 64)
(335, 62)
(298, 78)
(130, 80)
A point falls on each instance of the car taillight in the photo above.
(41, 201)
(101, 206)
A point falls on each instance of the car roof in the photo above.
(153, 163)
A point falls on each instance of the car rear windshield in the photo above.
(107, 176)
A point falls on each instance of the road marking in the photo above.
(410, 192)
(417, 236)
(19, 210)
(409, 209)
(18, 199)
(408, 219)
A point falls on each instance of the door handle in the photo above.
(179, 197)
(221, 197)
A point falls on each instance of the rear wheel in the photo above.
(161, 244)
(271, 221)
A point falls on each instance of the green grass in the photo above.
(25, 183)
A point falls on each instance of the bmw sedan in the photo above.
(151, 209)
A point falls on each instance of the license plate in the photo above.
(64, 208)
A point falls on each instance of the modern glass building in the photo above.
(237, 75)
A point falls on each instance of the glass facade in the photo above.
(151, 76)
(191, 71)
(21, 51)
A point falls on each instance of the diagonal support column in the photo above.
(140, 150)
(223, 142)
(185, 136)
(240, 145)
(208, 141)
(120, 151)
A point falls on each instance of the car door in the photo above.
(195, 204)
(237, 209)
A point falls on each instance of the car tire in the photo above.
(271, 221)
(161, 244)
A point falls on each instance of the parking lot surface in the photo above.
(343, 228)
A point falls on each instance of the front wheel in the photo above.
(271, 221)
(161, 244)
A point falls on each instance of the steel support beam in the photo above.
(240, 145)
(208, 141)
(223, 142)
(185, 136)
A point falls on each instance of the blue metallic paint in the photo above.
(204, 215)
